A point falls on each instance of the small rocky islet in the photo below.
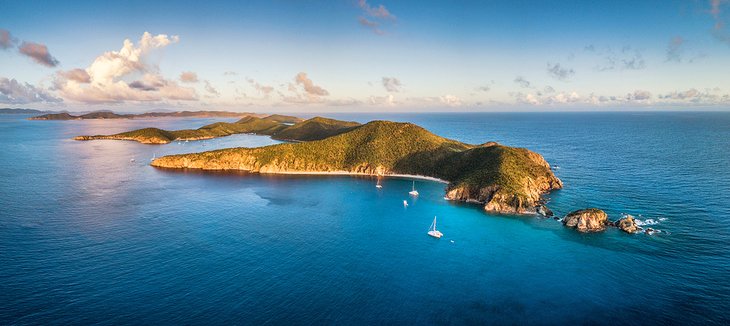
(596, 220)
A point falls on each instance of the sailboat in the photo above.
(432, 230)
(378, 185)
(413, 192)
(405, 203)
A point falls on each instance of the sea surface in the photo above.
(91, 234)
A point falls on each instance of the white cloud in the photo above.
(13, 92)
(372, 25)
(188, 77)
(311, 93)
(674, 49)
(450, 100)
(391, 84)
(524, 83)
(124, 75)
(39, 53)
(387, 100)
(77, 75)
(264, 90)
(639, 95)
(380, 11)
(379, 15)
(545, 99)
(210, 89)
(695, 96)
(625, 59)
(560, 73)
(719, 30)
(6, 40)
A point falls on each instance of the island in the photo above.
(21, 111)
(502, 179)
(112, 115)
(280, 127)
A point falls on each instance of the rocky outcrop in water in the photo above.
(627, 224)
(587, 220)
(544, 211)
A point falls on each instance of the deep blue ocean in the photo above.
(88, 236)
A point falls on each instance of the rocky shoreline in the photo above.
(141, 139)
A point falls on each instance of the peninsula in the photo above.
(279, 127)
(112, 115)
(503, 179)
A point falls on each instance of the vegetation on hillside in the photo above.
(514, 177)
(277, 126)
(315, 129)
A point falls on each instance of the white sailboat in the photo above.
(432, 230)
(378, 185)
(405, 203)
(413, 192)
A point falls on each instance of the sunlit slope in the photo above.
(505, 179)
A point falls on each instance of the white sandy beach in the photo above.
(405, 176)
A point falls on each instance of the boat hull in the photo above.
(436, 234)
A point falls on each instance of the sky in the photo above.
(365, 55)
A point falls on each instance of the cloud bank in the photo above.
(124, 75)
(13, 92)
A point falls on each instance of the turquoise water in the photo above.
(88, 236)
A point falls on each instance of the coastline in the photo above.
(344, 173)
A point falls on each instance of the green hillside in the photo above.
(315, 129)
(505, 179)
(274, 125)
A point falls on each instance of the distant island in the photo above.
(112, 115)
(503, 179)
(21, 111)
(279, 127)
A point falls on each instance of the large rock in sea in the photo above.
(627, 224)
(587, 220)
